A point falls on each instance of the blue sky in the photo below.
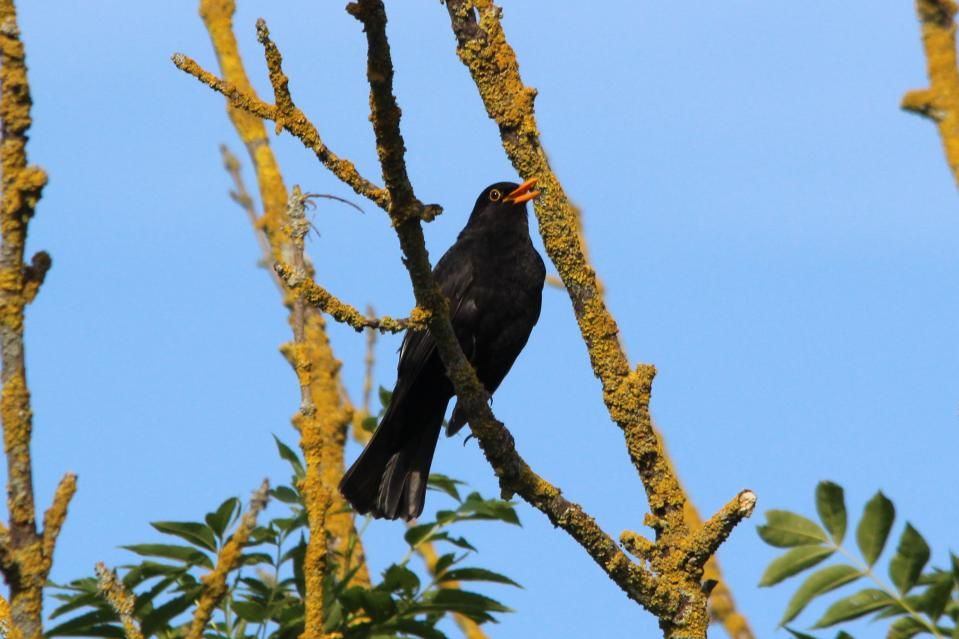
(776, 236)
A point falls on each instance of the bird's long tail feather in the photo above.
(389, 478)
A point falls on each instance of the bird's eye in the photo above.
(495, 195)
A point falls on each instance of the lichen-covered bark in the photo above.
(667, 581)
(675, 557)
(323, 427)
(215, 582)
(120, 600)
(26, 554)
(940, 102)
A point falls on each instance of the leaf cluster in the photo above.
(265, 598)
(920, 600)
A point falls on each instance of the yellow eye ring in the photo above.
(495, 195)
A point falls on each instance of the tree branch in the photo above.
(318, 297)
(119, 599)
(214, 582)
(497, 444)
(321, 438)
(483, 48)
(940, 102)
(26, 554)
(294, 122)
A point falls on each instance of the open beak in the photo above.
(523, 193)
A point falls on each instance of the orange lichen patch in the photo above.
(215, 582)
(940, 102)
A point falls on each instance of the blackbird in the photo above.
(493, 279)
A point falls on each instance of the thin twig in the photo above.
(306, 289)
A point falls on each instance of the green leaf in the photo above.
(286, 494)
(873, 530)
(905, 628)
(415, 628)
(459, 542)
(842, 634)
(818, 583)
(935, 597)
(475, 606)
(443, 563)
(854, 606)
(475, 507)
(220, 519)
(400, 578)
(83, 624)
(291, 457)
(185, 554)
(298, 555)
(911, 556)
(73, 602)
(369, 424)
(416, 534)
(385, 397)
(799, 635)
(199, 535)
(794, 561)
(477, 574)
(445, 484)
(784, 529)
(378, 605)
(250, 611)
(160, 617)
(831, 506)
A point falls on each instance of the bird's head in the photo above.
(503, 202)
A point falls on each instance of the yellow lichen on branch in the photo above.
(119, 599)
(26, 553)
(669, 583)
(229, 558)
(482, 46)
(497, 444)
(321, 439)
(940, 102)
(7, 628)
(308, 290)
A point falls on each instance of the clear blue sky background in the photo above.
(776, 236)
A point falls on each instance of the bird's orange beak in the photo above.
(523, 193)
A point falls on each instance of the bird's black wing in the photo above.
(454, 274)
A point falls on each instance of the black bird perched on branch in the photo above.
(493, 279)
